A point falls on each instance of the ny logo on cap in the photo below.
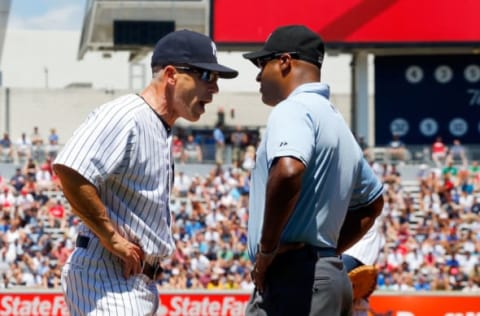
(214, 49)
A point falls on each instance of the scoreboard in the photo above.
(420, 97)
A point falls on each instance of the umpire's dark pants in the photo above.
(304, 282)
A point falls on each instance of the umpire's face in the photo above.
(194, 88)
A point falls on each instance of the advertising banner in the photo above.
(233, 303)
(181, 303)
(425, 305)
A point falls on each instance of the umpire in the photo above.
(309, 179)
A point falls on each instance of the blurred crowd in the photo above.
(431, 227)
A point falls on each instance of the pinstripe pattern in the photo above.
(125, 151)
(93, 284)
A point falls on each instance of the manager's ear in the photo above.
(170, 74)
(164, 73)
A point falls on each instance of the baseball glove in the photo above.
(364, 281)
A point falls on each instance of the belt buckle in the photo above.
(153, 270)
(157, 269)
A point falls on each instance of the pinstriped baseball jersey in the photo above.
(113, 149)
(366, 250)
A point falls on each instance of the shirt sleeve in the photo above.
(100, 146)
(290, 132)
(367, 187)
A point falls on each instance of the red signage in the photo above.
(34, 304)
(350, 21)
(201, 303)
(425, 305)
(233, 303)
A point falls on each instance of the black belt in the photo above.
(319, 252)
(152, 271)
(323, 252)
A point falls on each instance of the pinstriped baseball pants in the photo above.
(93, 284)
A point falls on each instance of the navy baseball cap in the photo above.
(298, 40)
(189, 48)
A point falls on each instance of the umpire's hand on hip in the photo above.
(262, 262)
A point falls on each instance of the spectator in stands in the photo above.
(30, 169)
(422, 283)
(30, 186)
(365, 148)
(214, 283)
(23, 149)
(36, 138)
(48, 164)
(60, 251)
(219, 139)
(232, 282)
(57, 213)
(199, 262)
(18, 180)
(177, 148)
(6, 197)
(475, 208)
(51, 278)
(25, 199)
(471, 286)
(214, 218)
(474, 172)
(457, 153)
(239, 140)
(451, 169)
(53, 144)
(6, 147)
(439, 152)
(44, 178)
(192, 152)
(396, 149)
(249, 158)
(181, 184)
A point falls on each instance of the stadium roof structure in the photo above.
(135, 26)
(378, 26)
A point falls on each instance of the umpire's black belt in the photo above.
(152, 271)
(319, 252)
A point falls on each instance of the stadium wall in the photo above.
(65, 109)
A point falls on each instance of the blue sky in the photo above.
(46, 14)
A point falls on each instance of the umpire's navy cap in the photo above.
(298, 40)
(189, 48)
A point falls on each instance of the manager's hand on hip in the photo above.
(131, 254)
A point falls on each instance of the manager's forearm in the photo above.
(85, 202)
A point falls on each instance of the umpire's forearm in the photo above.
(357, 223)
(85, 202)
